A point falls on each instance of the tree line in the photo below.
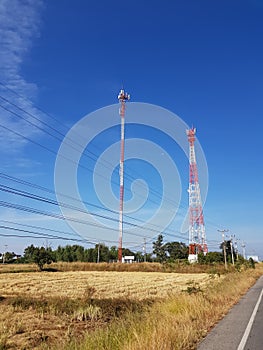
(162, 252)
(99, 253)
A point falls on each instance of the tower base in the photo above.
(192, 258)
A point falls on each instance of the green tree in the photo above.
(176, 250)
(67, 254)
(8, 257)
(159, 249)
(139, 257)
(104, 252)
(127, 252)
(79, 253)
(39, 256)
(113, 253)
(89, 254)
(210, 257)
(59, 253)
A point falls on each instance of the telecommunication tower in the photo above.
(197, 237)
(123, 97)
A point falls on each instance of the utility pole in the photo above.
(98, 257)
(144, 249)
(224, 245)
(232, 254)
(236, 246)
(244, 249)
(4, 253)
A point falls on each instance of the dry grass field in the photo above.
(135, 285)
(104, 309)
(39, 308)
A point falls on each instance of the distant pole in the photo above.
(98, 257)
(4, 253)
(232, 253)
(244, 249)
(224, 245)
(144, 249)
(236, 247)
(122, 97)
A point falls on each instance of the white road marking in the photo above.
(250, 323)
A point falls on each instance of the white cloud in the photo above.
(19, 26)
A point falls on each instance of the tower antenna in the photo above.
(197, 237)
(122, 97)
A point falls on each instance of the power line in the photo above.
(39, 227)
(49, 201)
(58, 231)
(153, 228)
(61, 217)
(44, 235)
(127, 176)
(73, 141)
(153, 191)
(32, 196)
(53, 152)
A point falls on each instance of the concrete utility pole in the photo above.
(232, 253)
(236, 246)
(244, 249)
(224, 245)
(4, 255)
(98, 257)
(144, 249)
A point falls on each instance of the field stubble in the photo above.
(176, 323)
(135, 285)
(39, 309)
(85, 309)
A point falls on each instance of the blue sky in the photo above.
(200, 60)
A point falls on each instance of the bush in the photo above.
(39, 256)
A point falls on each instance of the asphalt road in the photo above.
(241, 328)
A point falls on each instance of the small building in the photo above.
(128, 259)
(254, 257)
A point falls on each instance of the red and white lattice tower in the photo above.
(197, 237)
(122, 97)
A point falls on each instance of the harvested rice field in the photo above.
(134, 285)
(64, 310)
(39, 310)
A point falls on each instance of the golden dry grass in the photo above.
(177, 321)
(33, 327)
(135, 285)
(16, 268)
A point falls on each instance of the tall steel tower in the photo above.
(122, 97)
(197, 237)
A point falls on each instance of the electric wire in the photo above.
(26, 194)
(20, 181)
(5, 176)
(29, 195)
(53, 152)
(57, 231)
(46, 148)
(61, 217)
(61, 124)
(45, 235)
(10, 190)
(127, 176)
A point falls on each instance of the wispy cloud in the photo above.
(19, 26)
